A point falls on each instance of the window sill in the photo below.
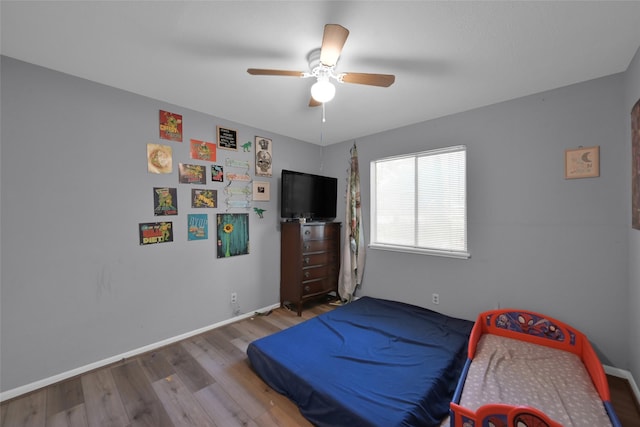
(422, 251)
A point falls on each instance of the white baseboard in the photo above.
(616, 372)
(18, 391)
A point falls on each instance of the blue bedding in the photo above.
(372, 362)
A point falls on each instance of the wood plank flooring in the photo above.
(203, 381)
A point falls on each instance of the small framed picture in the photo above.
(582, 162)
(261, 191)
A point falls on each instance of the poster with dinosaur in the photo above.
(204, 198)
(192, 174)
(165, 201)
(170, 126)
(203, 150)
(155, 232)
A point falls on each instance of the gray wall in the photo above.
(632, 92)
(77, 287)
(537, 241)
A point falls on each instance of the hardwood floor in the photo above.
(202, 381)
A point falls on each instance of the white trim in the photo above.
(423, 251)
(621, 373)
(18, 391)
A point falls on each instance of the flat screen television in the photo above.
(307, 196)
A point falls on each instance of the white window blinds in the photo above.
(418, 202)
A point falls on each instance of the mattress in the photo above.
(372, 362)
(517, 372)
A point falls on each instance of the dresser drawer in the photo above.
(316, 287)
(313, 273)
(318, 232)
(318, 246)
(320, 258)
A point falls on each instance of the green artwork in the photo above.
(233, 235)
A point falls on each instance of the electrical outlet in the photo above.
(435, 298)
(234, 297)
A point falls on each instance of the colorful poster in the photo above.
(198, 226)
(170, 126)
(165, 201)
(217, 173)
(204, 198)
(233, 235)
(155, 232)
(192, 174)
(202, 150)
(159, 158)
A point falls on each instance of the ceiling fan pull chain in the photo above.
(323, 117)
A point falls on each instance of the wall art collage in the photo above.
(237, 188)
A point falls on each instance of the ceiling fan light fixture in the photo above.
(323, 90)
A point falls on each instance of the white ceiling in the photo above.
(447, 56)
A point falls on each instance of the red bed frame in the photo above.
(537, 329)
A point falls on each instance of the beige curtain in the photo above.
(353, 251)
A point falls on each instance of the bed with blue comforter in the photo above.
(372, 362)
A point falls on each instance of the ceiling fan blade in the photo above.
(264, 72)
(314, 103)
(383, 80)
(332, 42)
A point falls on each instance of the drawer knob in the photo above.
(307, 288)
(306, 247)
(306, 260)
(307, 232)
(306, 274)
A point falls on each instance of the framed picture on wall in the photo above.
(227, 138)
(582, 162)
(261, 191)
(233, 234)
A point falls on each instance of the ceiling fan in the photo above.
(322, 64)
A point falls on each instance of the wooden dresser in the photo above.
(309, 261)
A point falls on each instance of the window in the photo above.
(419, 203)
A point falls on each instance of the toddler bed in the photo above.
(371, 362)
(524, 370)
